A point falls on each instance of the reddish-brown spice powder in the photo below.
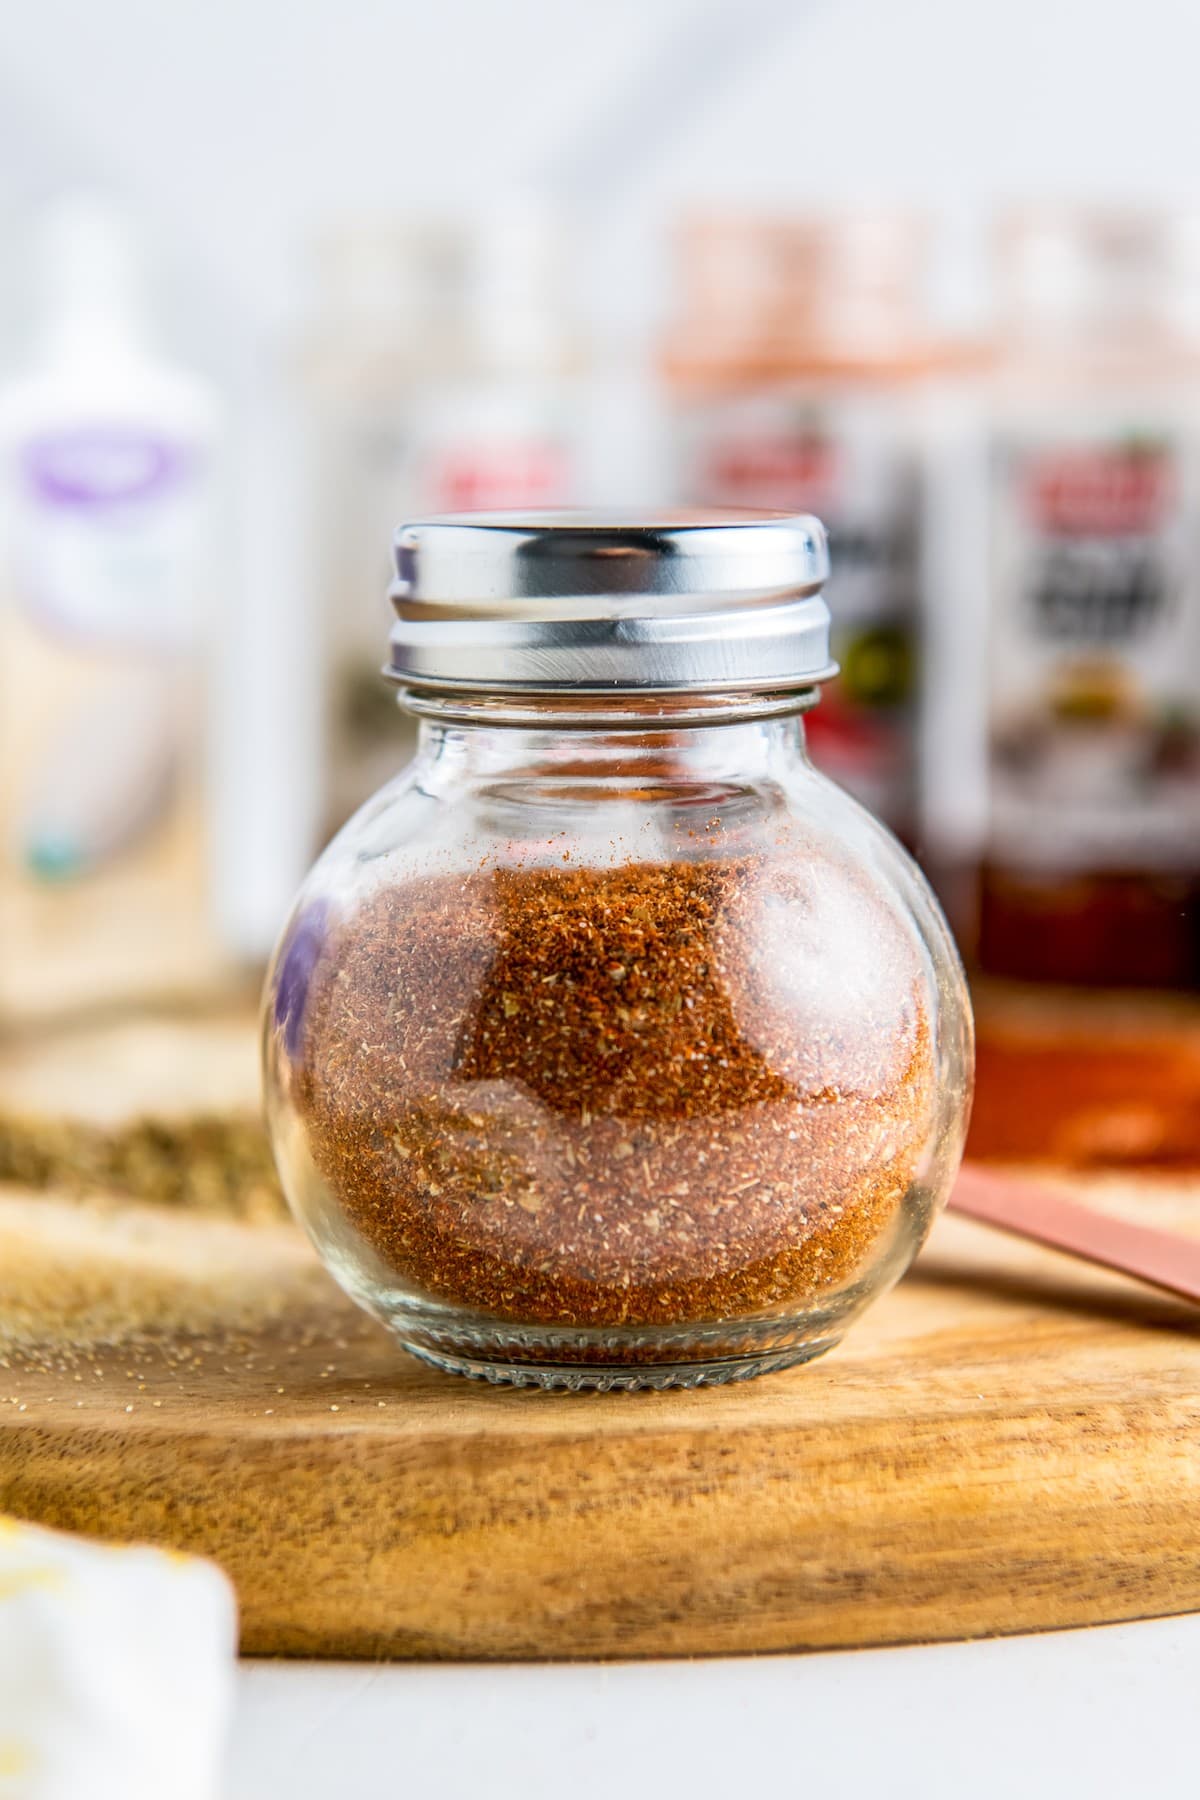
(584, 1096)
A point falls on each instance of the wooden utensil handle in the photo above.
(1163, 1258)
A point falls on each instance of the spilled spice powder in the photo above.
(648, 1094)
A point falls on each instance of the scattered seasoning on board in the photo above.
(593, 1096)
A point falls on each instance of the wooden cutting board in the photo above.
(1008, 1441)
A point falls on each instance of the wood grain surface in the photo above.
(1008, 1441)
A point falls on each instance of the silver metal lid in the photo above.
(595, 602)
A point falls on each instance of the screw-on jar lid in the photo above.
(596, 602)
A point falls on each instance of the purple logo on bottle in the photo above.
(102, 466)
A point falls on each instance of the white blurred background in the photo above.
(239, 130)
(233, 139)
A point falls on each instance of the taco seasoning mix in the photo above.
(611, 1045)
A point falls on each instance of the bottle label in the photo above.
(1093, 705)
(105, 536)
(851, 462)
(466, 477)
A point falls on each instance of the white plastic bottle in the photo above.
(106, 458)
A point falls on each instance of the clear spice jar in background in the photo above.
(610, 1044)
(1063, 780)
(795, 373)
(441, 371)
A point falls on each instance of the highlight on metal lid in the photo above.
(604, 601)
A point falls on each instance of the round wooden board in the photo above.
(1007, 1442)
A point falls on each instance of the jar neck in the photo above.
(763, 746)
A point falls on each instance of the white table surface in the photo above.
(1079, 1715)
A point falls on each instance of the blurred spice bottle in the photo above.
(1064, 768)
(107, 450)
(796, 373)
(443, 373)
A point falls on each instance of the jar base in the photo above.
(622, 1357)
(598, 1377)
(625, 1358)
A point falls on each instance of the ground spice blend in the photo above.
(610, 1045)
(617, 1096)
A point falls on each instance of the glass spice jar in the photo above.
(611, 1044)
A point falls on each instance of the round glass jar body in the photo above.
(616, 1054)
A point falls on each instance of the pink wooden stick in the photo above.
(1162, 1258)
